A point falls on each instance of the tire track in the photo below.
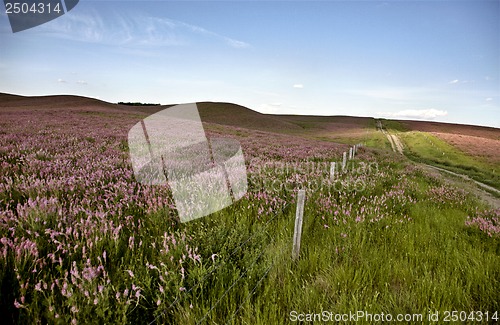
(476, 187)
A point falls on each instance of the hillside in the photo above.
(81, 240)
(466, 130)
(467, 149)
(56, 101)
(243, 117)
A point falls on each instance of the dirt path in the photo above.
(393, 146)
(397, 143)
(485, 186)
(468, 184)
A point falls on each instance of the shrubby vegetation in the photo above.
(82, 242)
(137, 104)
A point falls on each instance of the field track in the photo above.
(481, 190)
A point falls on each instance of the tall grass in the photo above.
(82, 242)
(425, 147)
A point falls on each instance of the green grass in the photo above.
(398, 244)
(419, 257)
(371, 137)
(391, 239)
(432, 262)
(393, 125)
(425, 147)
(377, 139)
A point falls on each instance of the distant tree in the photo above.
(137, 104)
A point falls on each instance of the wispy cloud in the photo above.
(279, 108)
(272, 108)
(60, 80)
(489, 99)
(456, 81)
(425, 114)
(236, 44)
(298, 86)
(82, 82)
(202, 31)
(130, 30)
(393, 93)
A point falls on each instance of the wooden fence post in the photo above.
(332, 170)
(299, 215)
(344, 161)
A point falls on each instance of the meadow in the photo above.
(81, 242)
(432, 149)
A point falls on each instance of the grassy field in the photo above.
(425, 147)
(82, 242)
(376, 139)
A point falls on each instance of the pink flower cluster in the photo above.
(70, 211)
(488, 221)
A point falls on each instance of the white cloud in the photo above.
(272, 108)
(82, 82)
(426, 114)
(202, 31)
(393, 93)
(489, 99)
(236, 44)
(456, 81)
(61, 81)
(130, 30)
(298, 86)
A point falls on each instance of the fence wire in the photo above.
(186, 292)
(273, 241)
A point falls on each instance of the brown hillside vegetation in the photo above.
(236, 115)
(474, 140)
(486, 148)
(317, 126)
(44, 102)
(219, 113)
(450, 128)
(332, 126)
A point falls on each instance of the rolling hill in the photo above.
(243, 117)
(385, 234)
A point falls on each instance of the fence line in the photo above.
(232, 285)
(299, 216)
(251, 293)
(298, 229)
(273, 240)
(300, 202)
(332, 170)
(261, 278)
(256, 285)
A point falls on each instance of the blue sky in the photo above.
(433, 60)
